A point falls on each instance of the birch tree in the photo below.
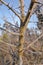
(24, 20)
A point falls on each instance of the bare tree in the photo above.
(24, 20)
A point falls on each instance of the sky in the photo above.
(4, 12)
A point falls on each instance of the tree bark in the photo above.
(22, 32)
(21, 42)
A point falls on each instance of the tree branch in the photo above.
(29, 16)
(22, 8)
(12, 45)
(29, 13)
(32, 7)
(10, 23)
(4, 50)
(34, 41)
(13, 33)
(6, 4)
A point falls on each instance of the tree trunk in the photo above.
(21, 41)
